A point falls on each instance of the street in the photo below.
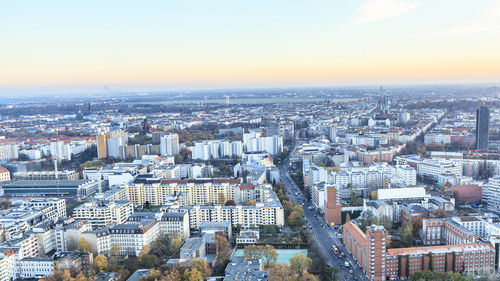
(321, 231)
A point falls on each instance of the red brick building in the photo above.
(469, 258)
(368, 249)
(333, 208)
(379, 263)
(467, 193)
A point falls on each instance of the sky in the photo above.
(97, 46)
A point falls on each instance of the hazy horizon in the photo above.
(51, 47)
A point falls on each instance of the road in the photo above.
(320, 231)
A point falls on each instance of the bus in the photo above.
(335, 249)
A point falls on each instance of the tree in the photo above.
(101, 262)
(388, 242)
(115, 250)
(330, 274)
(147, 205)
(230, 203)
(251, 203)
(83, 245)
(145, 249)
(281, 272)
(172, 274)
(222, 198)
(300, 263)
(222, 249)
(373, 195)
(153, 275)
(440, 213)
(347, 217)
(251, 251)
(201, 266)
(295, 219)
(5, 204)
(270, 254)
(149, 261)
(406, 232)
(354, 197)
(192, 275)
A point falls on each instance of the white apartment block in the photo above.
(9, 151)
(196, 192)
(58, 204)
(6, 265)
(432, 168)
(35, 268)
(246, 216)
(491, 192)
(254, 142)
(171, 223)
(169, 144)
(103, 213)
(140, 230)
(215, 149)
(407, 173)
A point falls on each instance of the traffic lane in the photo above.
(311, 218)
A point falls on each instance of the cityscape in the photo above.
(186, 155)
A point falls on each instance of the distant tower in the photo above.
(227, 99)
(482, 127)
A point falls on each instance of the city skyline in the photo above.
(59, 47)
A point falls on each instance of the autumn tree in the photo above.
(281, 272)
(270, 254)
(222, 198)
(251, 203)
(300, 263)
(347, 217)
(101, 262)
(172, 274)
(83, 245)
(144, 251)
(202, 266)
(192, 275)
(222, 249)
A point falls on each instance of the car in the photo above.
(351, 272)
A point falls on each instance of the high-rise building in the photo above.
(482, 127)
(108, 145)
(169, 144)
(333, 208)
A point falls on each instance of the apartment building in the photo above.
(446, 232)
(58, 204)
(172, 223)
(246, 216)
(467, 259)
(333, 208)
(379, 263)
(408, 174)
(35, 268)
(368, 249)
(432, 168)
(104, 213)
(4, 174)
(491, 192)
(140, 230)
(9, 151)
(197, 192)
(169, 144)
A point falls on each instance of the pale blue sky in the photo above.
(152, 45)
